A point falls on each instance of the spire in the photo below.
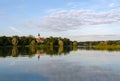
(38, 34)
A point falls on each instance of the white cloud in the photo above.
(94, 37)
(62, 20)
(15, 29)
(111, 4)
(75, 4)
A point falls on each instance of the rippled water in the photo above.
(74, 65)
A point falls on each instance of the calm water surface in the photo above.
(58, 64)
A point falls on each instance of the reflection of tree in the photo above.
(50, 50)
(60, 49)
(14, 51)
(57, 50)
(74, 48)
(5, 51)
(66, 50)
(32, 49)
(26, 51)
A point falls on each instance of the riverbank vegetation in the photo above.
(102, 45)
(31, 41)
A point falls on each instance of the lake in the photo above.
(59, 64)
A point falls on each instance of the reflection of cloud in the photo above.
(62, 20)
(65, 71)
(13, 63)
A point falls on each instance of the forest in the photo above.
(30, 41)
(103, 45)
(56, 42)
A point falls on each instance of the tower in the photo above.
(39, 39)
(38, 34)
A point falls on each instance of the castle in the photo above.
(39, 39)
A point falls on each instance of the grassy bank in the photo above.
(107, 47)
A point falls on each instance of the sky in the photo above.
(81, 20)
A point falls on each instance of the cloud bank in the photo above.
(62, 20)
(94, 37)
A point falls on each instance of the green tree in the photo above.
(75, 43)
(66, 42)
(32, 43)
(60, 43)
(15, 41)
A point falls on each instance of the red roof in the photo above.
(40, 39)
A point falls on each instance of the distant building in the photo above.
(39, 39)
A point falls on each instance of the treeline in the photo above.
(103, 45)
(58, 41)
(16, 40)
(30, 41)
(93, 43)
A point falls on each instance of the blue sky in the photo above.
(80, 20)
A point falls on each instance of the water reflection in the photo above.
(31, 51)
(39, 53)
(14, 51)
(101, 49)
(82, 64)
(75, 72)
